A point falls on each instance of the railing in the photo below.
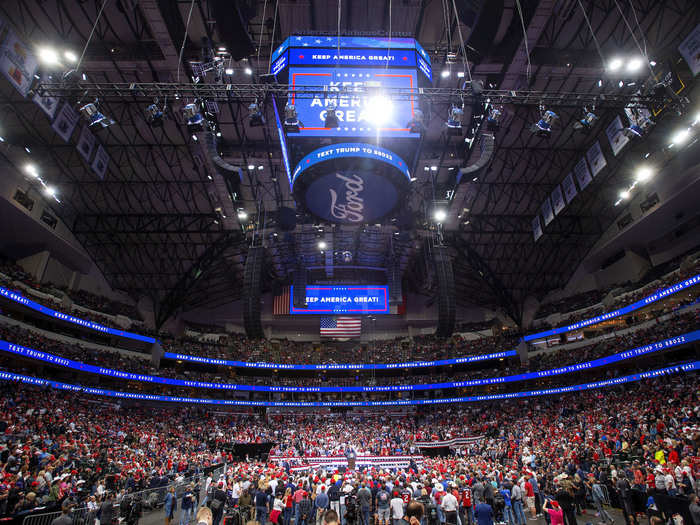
(152, 500)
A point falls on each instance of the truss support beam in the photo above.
(147, 92)
(505, 299)
(184, 286)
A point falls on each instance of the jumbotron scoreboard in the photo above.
(354, 167)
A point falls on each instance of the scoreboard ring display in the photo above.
(351, 183)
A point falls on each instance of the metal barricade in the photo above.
(80, 516)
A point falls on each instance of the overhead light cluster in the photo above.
(33, 173)
(627, 65)
(51, 56)
(679, 138)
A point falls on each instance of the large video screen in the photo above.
(367, 113)
(353, 299)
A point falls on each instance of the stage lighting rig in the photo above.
(331, 120)
(256, 117)
(195, 120)
(454, 120)
(154, 115)
(664, 91)
(586, 123)
(640, 122)
(95, 118)
(493, 119)
(291, 119)
(543, 127)
(417, 123)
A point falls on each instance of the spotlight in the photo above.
(680, 137)
(615, 64)
(154, 115)
(70, 56)
(440, 215)
(251, 167)
(49, 56)
(96, 119)
(256, 118)
(640, 122)
(460, 74)
(229, 71)
(50, 191)
(652, 63)
(433, 168)
(195, 120)
(543, 127)
(261, 167)
(331, 120)
(322, 245)
(416, 124)
(30, 169)
(625, 194)
(586, 123)
(379, 110)
(248, 71)
(445, 73)
(643, 174)
(242, 215)
(454, 119)
(291, 119)
(634, 65)
(493, 118)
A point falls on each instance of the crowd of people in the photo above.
(637, 441)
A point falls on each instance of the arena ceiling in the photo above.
(151, 224)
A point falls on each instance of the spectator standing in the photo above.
(396, 505)
(364, 500)
(483, 513)
(556, 515)
(321, 504)
(187, 505)
(449, 507)
(65, 518)
(383, 506)
(170, 506)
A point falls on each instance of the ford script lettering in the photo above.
(353, 208)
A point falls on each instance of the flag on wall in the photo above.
(280, 305)
(340, 326)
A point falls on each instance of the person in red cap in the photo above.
(556, 515)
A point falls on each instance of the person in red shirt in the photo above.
(530, 498)
(556, 515)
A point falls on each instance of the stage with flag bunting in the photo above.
(340, 326)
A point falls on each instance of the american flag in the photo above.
(340, 327)
(280, 305)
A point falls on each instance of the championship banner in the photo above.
(18, 63)
(596, 159)
(617, 138)
(65, 122)
(583, 174)
(557, 200)
(86, 143)
(536, 227)
(690, 50)
(48, 104)
(569, 187)
(547, 211)
(99, 164)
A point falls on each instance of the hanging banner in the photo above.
(17, 63)
(596, 159)
(557, 200)
(690, 50)
(86, 143)
(48, 104)
(617, 138)
(536, 227)
(65, 122)
(547, 212)
(569, 187)
(583, 174)
(99, 165)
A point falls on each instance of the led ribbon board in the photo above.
(29, 380)
(329, 300)
(692, 281)
(45, 357)
(20, 299)
(351, 183)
